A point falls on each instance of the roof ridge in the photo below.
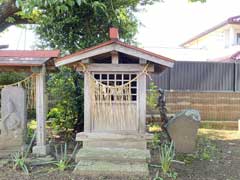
(116, 41)
(230, 20)
(29, 53)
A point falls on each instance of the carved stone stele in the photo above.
(13, 119)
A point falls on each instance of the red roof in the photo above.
(30, 53)
(231, 20)
(27, 58)
(230, 58)
(115, 41)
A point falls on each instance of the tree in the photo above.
(71, 25)
(74, 26)
(14, 12)
(8, 14)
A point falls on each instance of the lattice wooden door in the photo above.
(114, 109)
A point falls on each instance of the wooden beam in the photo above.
(116, 68)
(36, 69)
(95, 51)
(142, 61)
(142, 103)
(87, 100)
(92, 53)
(14, 69)
(143, 55)
(115, 58)
(86, 61)
(41, 113)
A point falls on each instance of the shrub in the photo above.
(152, 96)
(19, 158)
(66, 98)
(63, 160)
(156, 140)
(167, 155)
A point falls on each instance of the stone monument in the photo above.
(183, 130)
(13, 119)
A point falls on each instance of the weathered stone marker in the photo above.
(13, 119)
(183, 130)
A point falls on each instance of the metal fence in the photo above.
(199, 76)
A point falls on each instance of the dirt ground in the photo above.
(224, 164)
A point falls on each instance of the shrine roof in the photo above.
(114, 45)
(27, 57)
(231, 57)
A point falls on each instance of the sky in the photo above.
(165, 24)
(175, 21)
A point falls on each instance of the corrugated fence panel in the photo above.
(237, 77)
(199, 76)
(162, 80)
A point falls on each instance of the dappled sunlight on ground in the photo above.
(220, 134)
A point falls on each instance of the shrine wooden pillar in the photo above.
(41, 113)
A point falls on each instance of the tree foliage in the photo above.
(74, 25)
(71, 25)
(14, 12)
(7, 78)
(66, 89)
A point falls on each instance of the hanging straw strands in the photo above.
(112, 105)
(29, 83)
(117, 86)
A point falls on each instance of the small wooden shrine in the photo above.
(114, 106)
(36, 63)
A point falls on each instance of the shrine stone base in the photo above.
(107, 154)
(8, 151)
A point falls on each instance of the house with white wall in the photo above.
(221, 41)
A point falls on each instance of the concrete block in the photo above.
(103, 168)
(113, 155)
(113, 140)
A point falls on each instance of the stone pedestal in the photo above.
(107, 154)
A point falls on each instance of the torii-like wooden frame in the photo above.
(38, 62)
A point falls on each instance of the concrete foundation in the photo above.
(106, 154)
